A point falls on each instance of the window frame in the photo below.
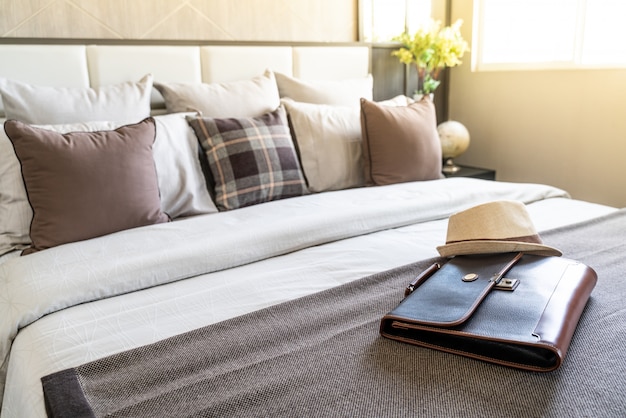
(367, 20)
(575, 63)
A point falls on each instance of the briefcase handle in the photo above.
(499, 283)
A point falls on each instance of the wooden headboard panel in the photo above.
(75, 64)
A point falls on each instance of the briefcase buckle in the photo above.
(506, 284)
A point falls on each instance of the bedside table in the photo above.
(475, 172)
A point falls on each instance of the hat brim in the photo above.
(495, 247)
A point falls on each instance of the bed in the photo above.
(250, 275)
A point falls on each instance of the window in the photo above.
(544, 34)
(381, 20)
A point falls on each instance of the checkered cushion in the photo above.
(252, 160)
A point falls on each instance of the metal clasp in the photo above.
(506, 284)
(502, 283)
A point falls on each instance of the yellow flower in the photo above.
(432, 48)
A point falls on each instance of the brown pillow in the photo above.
(400, 143)
(83, 185)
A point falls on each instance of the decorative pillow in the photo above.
(181, 181)
(15, 211)
(252, 159)
(329, 142)
(83, 185)
(331, 92)
(236, 99)
(400, 143)
(124, 102)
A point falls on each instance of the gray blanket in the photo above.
(322, 356)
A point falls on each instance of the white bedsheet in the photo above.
(238, 262)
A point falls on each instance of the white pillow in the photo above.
(332, 92)
(236, 99)
(125, 102)
(15, 212)
(184, 191)
(400, 100)
(181, 182)
(329, 142)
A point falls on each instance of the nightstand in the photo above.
(475, 172)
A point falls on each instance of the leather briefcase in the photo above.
(517, 310)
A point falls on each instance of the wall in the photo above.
(241, 20)
(565, 128)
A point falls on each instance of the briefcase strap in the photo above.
(499, 281)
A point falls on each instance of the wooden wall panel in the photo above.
(223, 20)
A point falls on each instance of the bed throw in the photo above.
(322, 355)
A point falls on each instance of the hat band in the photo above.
(531, 239)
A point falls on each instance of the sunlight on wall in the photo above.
(565, 128)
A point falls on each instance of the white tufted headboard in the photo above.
(75, 65)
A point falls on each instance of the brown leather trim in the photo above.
(554, 327)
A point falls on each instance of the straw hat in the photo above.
(495, 227)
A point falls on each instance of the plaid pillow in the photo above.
(252, 160)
